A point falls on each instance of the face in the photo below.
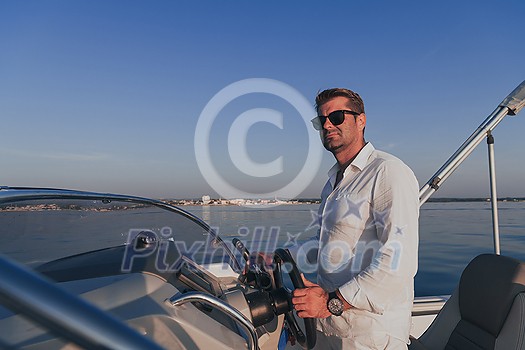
(344, 140)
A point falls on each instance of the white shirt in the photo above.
(367, 245)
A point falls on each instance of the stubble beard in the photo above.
(332, 148)
(332, 145)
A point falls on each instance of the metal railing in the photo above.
(64, 314)
(511, 105)
(180, 299)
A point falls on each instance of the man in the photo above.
(367, 238)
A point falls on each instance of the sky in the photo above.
(180, 99)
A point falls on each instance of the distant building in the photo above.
(205, 199)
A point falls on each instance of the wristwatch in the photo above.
(335, 305)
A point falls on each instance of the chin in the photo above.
(332, 148)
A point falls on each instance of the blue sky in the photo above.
(106, 95)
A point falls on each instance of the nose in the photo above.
(327, 124)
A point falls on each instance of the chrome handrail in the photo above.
(236, 315)
(511, 105)
(64, 314)
(461, 154)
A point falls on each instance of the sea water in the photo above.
(450, 235)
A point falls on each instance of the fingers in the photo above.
(310, 302)
(301, 292)
(266, 257)
(301, 308)
(305, 296)
(304, 311)
(307, 314)
(297, 303)
(303, 314)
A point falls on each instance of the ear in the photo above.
(361, 121)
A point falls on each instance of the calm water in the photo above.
(451, 234)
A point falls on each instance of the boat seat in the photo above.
(486, 311)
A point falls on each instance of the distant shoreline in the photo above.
(452, 199)
(218, 202)
(252, 202)
(181, 202)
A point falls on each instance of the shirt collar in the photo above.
(359, 161)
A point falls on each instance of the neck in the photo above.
(345, 158)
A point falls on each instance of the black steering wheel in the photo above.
(306, 341)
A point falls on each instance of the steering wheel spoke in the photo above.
(282, 256)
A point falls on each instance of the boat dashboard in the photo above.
(144, 299)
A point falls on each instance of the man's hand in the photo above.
(257, 270)
(265, 257)
(261, 259)
(311, 301)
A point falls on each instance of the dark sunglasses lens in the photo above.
(336, 117)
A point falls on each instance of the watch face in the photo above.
(335, 306)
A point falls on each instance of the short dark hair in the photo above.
(355, 101)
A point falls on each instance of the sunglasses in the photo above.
(336, 118)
